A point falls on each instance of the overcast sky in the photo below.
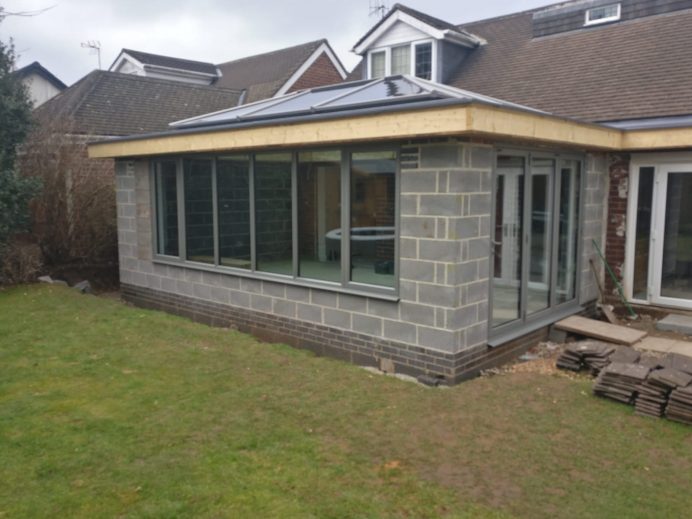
(205, 30)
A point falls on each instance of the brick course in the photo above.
(322, 72)
(617, 217)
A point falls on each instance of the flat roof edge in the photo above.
(452, 118)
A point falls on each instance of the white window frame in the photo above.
(614, 18)
(433, 58)
(631, 231)
(661, 163)
(386, 61)
(388, 58)
(411, 57)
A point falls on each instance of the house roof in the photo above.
(263, 75)
(156, 60)
(633, 69)
(37, 68)
(428, 20)
(113, 104)
(372, 96)
(628, 70)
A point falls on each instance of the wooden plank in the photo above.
(600, 330)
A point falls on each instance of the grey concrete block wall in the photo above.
(444, 270)
(445, 221)
(593, 223)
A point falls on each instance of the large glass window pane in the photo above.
(166, 208)
(319, 215)
(642, 240)
(233, 188)
(377, 65)
(538, 292)
(509, 211)
(401, 60)
(568, 237)
(424, 60)
(373, 232)
(199, 210)
(273, 213)
(676, 269)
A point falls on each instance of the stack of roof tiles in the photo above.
(578, 355)
(619, 381)
(594, 355)
(679, 406)
(654, 392)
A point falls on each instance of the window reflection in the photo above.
(167, 208)
(199, 210)
(373, 195)
(273, 213)
(319, 215)
(233, 189)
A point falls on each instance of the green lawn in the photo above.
(108, 410)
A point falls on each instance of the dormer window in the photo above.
(603, 14)
(424, 63)
(415, 59)
(401, 60)
(378, 64)
(408, 42)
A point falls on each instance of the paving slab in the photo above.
(657, 344)
(683, 348)
(600, 330)
(676, 323)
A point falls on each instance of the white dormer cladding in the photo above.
(404, 44)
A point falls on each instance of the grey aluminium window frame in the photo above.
(527, 323)
(344, 286)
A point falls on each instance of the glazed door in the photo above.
(535, 237)
(508, 237)
(672, 237)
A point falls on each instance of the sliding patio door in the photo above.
(535, 237)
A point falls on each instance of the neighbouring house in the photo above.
(74, 219)
(285, 70)
(41, 84)
(165, 67)
(142, 93)
(260, 76)
(436, 215)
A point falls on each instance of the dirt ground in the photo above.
(647, 319)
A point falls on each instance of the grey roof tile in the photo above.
(265, 73)
(114, 104)
(628, 70)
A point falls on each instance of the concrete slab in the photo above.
(676, 323)
(683, 348)
(661, 345)
(656, 344)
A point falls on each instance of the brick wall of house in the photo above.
(321, 72)
(619, 165)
